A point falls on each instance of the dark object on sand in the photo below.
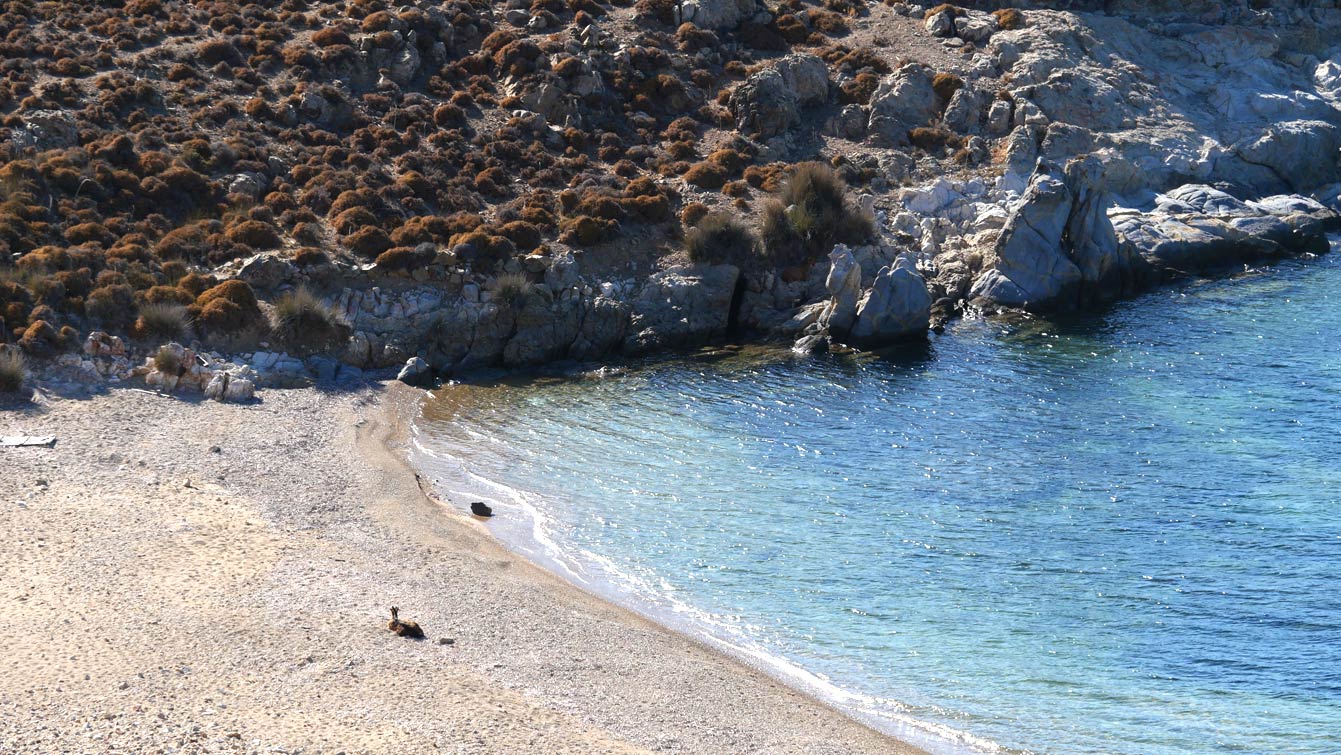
(479, 508)
(404, 628)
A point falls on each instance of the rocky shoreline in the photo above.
(1065, 244)
(1102, 151)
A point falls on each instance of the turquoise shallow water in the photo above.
(1114, 534)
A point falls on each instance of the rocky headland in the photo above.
(466, 185)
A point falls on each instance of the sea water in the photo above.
(1117, 533)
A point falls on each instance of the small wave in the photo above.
(652, 597)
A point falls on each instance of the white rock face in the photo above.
(807, 76)
(1182, 102)
(896, 308)
(844, 287)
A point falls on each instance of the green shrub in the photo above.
(162, 321)
(303, 324)
(721, 239)
(11, 369)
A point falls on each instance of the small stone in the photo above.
(446, 640)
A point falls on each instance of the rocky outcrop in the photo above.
(415, 372)
(902, 102)
(1058, 249)
(844, 286)
(770, 102)
(896, 308)
(1197, 228)
(1235, 103)
(764, 106)
(718, 14)
(681, 306)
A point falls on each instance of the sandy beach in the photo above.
(183, 576)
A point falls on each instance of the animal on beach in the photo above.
(404, 628)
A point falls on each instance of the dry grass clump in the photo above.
(1009, 18)
(228, 312)
(859, 89)
(406, 258)
(693, 213)
(11, 369)
(512, 289)
(40, 339)
(932, 139)
(706, 175)
(661, 11)
(945, 85)
(810, 214)
(162, 321)
(718, 238)
(303, 324)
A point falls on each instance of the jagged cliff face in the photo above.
(397, 159)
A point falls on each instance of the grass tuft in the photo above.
(719, 238)
(303, 324)
(162, 321)
(11, 369)
(512, 289)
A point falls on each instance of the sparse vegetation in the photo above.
(303, 324)
(810, 214)
(1009, 18)
(512, 289)
(945, 85)
(718, 238)
(162, 321)
(168, 360)
(11, 369)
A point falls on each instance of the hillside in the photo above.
(486, 184)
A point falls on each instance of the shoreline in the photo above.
(521, 530)
(215, 576)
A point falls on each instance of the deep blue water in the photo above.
(1116, 534)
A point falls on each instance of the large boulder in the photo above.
(770, 101)
(604, 323)
(902, 102)
(1058, 248)
(763, 105)
(1032, 269)
(416, 372)
(807, 77)
(544, 331)
(1302, 154)
(897, 308)
(717, 14)
(1196, 227)
(683, 306)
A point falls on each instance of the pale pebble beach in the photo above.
(183, 576)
